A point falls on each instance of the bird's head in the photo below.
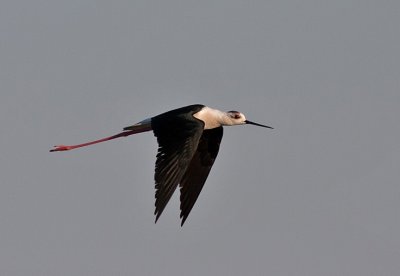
(238, 118)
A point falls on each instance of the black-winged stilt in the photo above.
(188, 143)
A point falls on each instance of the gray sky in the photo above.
(319, 195)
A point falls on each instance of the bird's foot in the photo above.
(60, 148)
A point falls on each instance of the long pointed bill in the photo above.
(127, 131)
(253, 123)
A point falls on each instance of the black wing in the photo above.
(178, 134)
(198, 170)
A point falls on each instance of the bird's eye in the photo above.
(235, 114)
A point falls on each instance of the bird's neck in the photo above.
(212, 118)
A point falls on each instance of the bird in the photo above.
(188, 139)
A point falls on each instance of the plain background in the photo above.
(318, 195)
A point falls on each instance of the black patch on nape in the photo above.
(235, 114)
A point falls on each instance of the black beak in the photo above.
(252, 123)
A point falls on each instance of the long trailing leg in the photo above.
(138, 128)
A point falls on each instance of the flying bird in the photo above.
(188, 143)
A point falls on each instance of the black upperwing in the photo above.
(178, 134)
(198, 170)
